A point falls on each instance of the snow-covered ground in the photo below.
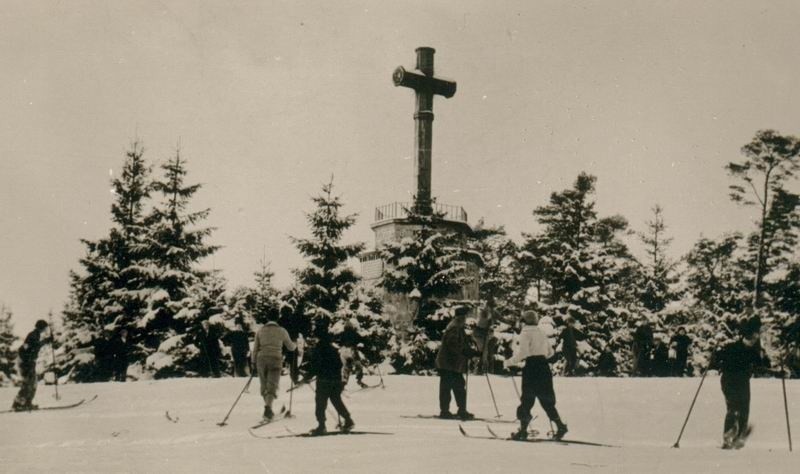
(126, 430)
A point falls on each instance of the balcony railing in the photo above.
(399, 210)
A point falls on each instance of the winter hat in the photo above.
(530, 317)
(41, 324)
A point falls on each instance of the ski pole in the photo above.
(291, 395)
(492, 392)
(786, 405)
(53, 352)
(678, 441)
(514, 381)
(223, 422)
(378, 366)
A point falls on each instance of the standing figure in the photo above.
(352, 358)
(659, 365)
(298, 325)
(451, 362)
(736, 361)
(570, 336)
(267, 357)
(481, 334)
(606, 363)
(680, 343)
(28, 353)
(326, 366)
(240, 347)
(119, 347)
(642, 345)
(534, 349)
(210, 352)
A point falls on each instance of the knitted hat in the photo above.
(41, 324)
(530, 317)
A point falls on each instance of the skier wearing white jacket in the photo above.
(533, 347)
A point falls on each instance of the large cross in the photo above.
(426, 86)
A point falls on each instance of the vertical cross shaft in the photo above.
(426, 86)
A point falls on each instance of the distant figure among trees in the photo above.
(642, 346)
(570, 336)
(680, 343)
(119, 350)
(240, 348)
(210, 351)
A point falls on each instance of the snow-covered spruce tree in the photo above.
(175, 286)
(107, 292)
(430, 268)
(588, 270)
(360, 322)
(326, 282)
(183, 353)
(658, 272)
(7, 339)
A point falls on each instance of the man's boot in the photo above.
(522, 433)
(561, 429)
(319, 430)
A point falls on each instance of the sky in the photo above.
(269, 100)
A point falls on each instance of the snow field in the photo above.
(126, 429)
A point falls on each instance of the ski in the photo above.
(173, 419)
(367, 387)
(280, 416)
(455, 418)
(292, 434)
(58, 407)
(299, 385)
(536, 440)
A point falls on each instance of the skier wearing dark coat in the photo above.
(119, 348)
(642, 345)
(680, 343)
(28, 353)
(299, 327)
(326, 365)
(535, 350)
(240, 348)
(659, 366)
(210, 352)
(737, 361)
(451, 362)
(570, 336)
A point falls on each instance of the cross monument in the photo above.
(425, 85)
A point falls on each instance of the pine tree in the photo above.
(265, 296)
(180, 295)
(327, 281)
(7, 339)
(770, 165)
(658, 272)
(106, 292)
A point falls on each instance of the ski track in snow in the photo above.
(126, 430)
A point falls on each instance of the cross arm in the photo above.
(421, 82)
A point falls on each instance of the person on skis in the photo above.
(352, 358)
(267, 357)
(451, 363)
(533, 347)
(737, 361)
(326, 365)
(28, 353)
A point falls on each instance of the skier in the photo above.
(642, 345)
(533, 347)
(570, 336)
(659, 364)
(28, 353)
(451, 362)
(119, 347)
(298, 326)
(680, 343)
(481, 334)
(210, 352)
(267, 357)
(240, 347)
(326, 366)
(352, 358)
(606, 363)
(736, 361)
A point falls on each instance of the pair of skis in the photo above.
(291, 434)
(493, 436)
(455, 418)
(57, 407)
